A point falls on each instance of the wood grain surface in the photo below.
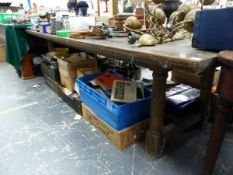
(172, 55)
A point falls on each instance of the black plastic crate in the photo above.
(52, 84)
(73, 102)
(50, 71)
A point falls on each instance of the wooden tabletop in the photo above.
(173, 55)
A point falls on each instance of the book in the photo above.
(107, 79)
(124, 91)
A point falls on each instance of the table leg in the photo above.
(154, 136)
(205, 93)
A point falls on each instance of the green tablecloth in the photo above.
(16, 43)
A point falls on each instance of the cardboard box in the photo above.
(68, 73)
(2, 53)
(82, 60)
(121, 139)
(68, 68)
(58, 52)
(86, 71)
(68, 82)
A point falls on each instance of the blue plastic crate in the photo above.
(118, 116)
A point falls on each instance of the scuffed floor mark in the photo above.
(77, 117)
(133, 159)
(17, 108)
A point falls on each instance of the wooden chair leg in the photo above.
(223, 113)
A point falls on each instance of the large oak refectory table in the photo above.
(177, 55)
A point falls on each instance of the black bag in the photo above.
(213, 29)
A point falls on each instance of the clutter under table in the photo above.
(177, 55)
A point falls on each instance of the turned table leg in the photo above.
(205, 93)
(154, 136)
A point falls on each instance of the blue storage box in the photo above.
(213, 29)
(118, 116)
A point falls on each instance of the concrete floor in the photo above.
(41, 135)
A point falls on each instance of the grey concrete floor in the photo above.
(41, 135)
